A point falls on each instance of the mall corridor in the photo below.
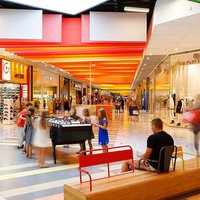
(107, 89)
(21, 178)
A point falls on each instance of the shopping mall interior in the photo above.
(85, 86)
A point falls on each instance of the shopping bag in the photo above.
(191, 116)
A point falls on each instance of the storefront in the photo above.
(45, 88)
(84, 92)
(64, 88)
(14, 88)
(175, 79)
(75, 92)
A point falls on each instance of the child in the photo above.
(29, 124)
(73, 114)
(103, 132)
(42, 139)
(87, 120)
(66, 115)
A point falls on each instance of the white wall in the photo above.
(114, 26)
(193, 80)
(168, 10)
(20, 24)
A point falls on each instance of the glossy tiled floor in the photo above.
(22, 179)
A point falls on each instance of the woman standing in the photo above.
(42, 140)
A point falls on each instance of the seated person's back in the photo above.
(155, 142)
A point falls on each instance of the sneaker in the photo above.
(20, 147)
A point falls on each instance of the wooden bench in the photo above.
(139, 185)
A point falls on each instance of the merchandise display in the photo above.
(7, 92)
(8, 111)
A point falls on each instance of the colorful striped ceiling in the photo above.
(66, 45)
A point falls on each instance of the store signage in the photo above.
(77, 86)
(48, 77)
(20, 76)
(6, 70)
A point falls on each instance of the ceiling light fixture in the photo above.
(135, 9)
(145, 64)
(72, 7)
(148, 58)
(176, 49)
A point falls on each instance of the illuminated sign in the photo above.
(77, 86)
(20, 76)
(6, 70)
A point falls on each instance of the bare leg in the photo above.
(105, 149)
(27, 150)
(90, 145)
(42, 157)
(30, 151)
(125, 166)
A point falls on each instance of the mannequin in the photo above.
(179, 110)
(171, 109)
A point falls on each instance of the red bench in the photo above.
(114, 154)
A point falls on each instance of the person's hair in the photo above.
(73, 107)
(103, 114)
(29, 104)
(86, 110)
(30, 112)
(43, 123)
(157, 122)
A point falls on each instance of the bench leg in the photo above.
(108, 165)
(80, 173)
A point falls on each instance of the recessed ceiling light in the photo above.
(148, 58)
(145, 64)
(176, 49)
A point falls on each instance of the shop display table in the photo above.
(70, 134)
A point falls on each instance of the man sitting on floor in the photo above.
(155, 142)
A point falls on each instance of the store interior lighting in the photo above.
(135, 9)
(72, 7)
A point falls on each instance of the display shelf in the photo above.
(8, 111)
(8, 92)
